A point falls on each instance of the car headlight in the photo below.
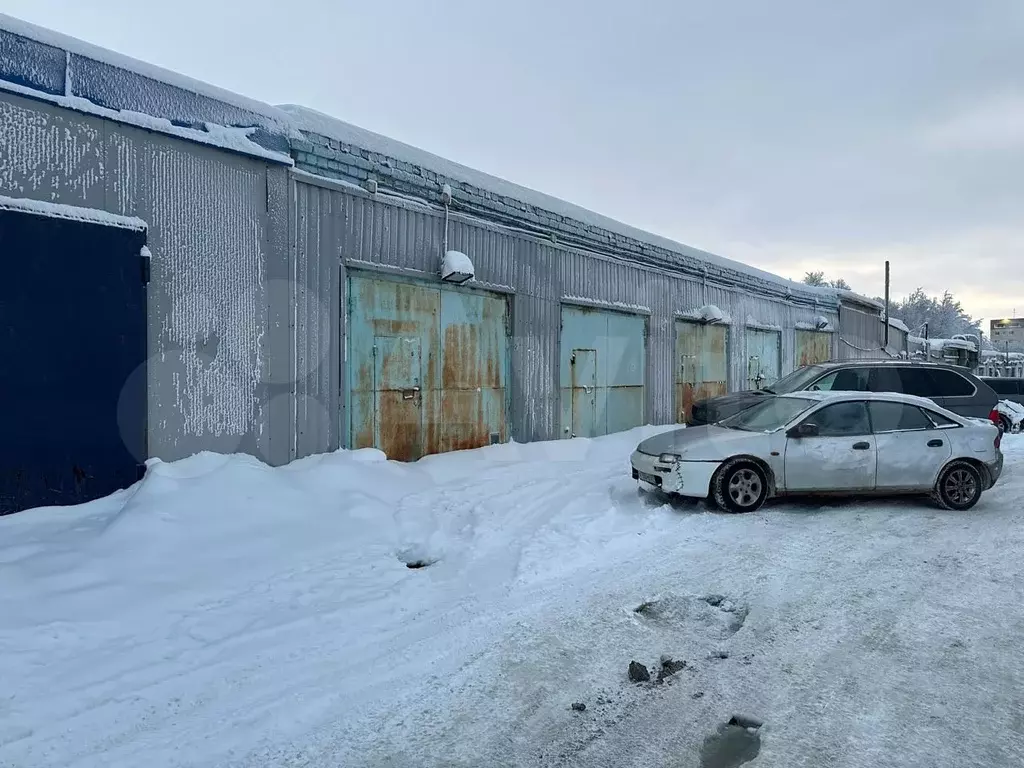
(669, 458)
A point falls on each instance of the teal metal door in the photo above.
(702, 364)
(398, 394)
(427, 367)
(609, 350)
(764, 354)
(468, 411)
(584, 392)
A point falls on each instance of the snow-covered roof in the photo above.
(856, 298)
(96, 53)
(88, 84)
(71, 213)
(312, 121)
(898, 324)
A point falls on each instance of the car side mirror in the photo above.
(806, 429)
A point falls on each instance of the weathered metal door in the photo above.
(72, 360)
(583, 363)
(812, 347)
(469, 409)
(609, 350)
(393, 363)
(764, 352)
(428, 367)
(702, 368)
(398, 396)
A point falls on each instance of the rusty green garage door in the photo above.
(764, 353)
(427, 369)
(601, 371)
(812, 347)
(702, 364)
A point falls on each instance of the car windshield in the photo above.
(768, 416)
(796, 381)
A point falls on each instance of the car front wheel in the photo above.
(959, 486)
(740, 485)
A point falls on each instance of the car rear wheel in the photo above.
(959, 486)
(1005, 423)
(740, 485)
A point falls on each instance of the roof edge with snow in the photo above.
(427, 172)
(78, 75)
(71, 213)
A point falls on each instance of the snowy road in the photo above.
(225, 614)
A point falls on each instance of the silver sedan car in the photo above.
(835, 443)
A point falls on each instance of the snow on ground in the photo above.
(223, 613)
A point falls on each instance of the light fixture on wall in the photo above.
(822, 323)
(456, 268)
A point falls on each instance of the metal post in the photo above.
(886, 304)
(926, 331)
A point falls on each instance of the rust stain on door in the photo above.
(812, 347)
(472, 400)
(433, 362)
(701, 369)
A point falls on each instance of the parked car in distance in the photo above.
(845, 443)
(951, 387)
(1006, 389)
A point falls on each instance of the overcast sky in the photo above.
(793, 135)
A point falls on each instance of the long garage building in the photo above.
(304, 285)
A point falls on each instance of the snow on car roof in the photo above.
(896, 397)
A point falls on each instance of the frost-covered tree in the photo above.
(945, 316)
(819, 280)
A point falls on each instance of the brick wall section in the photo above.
(328, 157)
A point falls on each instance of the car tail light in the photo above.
(993, 416)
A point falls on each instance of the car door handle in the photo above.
(935, 443)
(861, 446)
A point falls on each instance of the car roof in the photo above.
(890, 397)
(891, 362)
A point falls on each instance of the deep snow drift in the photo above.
(222, 613)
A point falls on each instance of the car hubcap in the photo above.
(961, 486)
(745, 487)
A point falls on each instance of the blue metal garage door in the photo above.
(428, 367)
(73, 352)
(601, 371)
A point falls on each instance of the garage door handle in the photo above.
(934, 443)
(861, 446)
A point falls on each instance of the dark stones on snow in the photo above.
(579, 706)
(669, 667)
(638, 672)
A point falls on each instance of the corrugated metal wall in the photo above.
(860, 337)
(219, 365)
(395, 236)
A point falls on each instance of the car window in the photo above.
(885, 378)
(769, 415)
(941, 421)
(1004, 386)
(918, 381)
(897, 417)
(951, 383)
(843, 380)
(841, 420)
(795, 381)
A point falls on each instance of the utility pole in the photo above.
(886, 304)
